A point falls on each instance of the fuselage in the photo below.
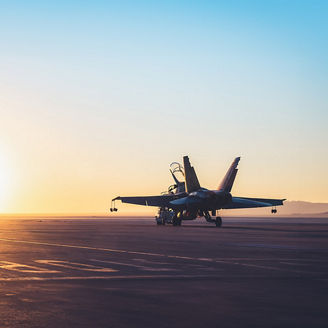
(197, 202)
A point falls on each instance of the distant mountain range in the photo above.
(290, 208)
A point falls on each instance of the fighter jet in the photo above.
(190, 200)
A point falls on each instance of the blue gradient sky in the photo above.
(98, 97)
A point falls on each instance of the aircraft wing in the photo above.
(159, 201)
(246, 202)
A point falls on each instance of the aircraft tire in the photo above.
(218, 222)
(176, 222)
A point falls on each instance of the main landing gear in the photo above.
(176, 221)
(217, 221)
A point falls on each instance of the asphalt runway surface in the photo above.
(270, 272)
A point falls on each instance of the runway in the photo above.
(128, 272)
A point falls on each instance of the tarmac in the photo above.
(129, 272)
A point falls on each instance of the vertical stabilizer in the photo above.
(229, 178)
(192, 183)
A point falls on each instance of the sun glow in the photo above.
(4, 182)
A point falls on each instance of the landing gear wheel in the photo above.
(176, 222)
(218, 221)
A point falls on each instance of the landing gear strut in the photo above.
(176, 221)
(217, 221)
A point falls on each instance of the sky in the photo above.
(97, 98)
